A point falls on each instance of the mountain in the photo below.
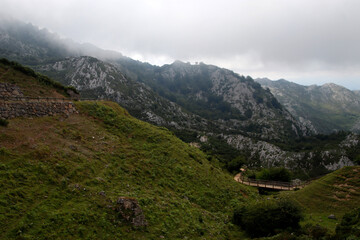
(324, 109)
(99, 173)
(28, 44)
(220, 95)
(234, 102)
(225, 114)
(357, 92)
(98, 79)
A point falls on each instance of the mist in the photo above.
(308, 42)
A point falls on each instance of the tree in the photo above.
(268, 217)
(349, 227)
(275, 174)
(235, 164)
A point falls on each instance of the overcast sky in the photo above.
(305, 41)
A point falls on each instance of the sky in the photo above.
(304, 41)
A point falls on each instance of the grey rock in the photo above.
(130, 210)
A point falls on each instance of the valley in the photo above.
(154, 153)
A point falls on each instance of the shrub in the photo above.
(316, 232)
(275, 174)
(266, 218)
(349, 226)
(3, 122)
(235, 164)
(357, 159)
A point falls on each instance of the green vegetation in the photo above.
(60, 178)
(335, 193)
(182, 90)
(349, 227)
(274, 174)
(314, 143)
(268, 217)
(18, 68)
(229, 157)
(52, 171)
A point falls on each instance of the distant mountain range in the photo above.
(232, 103)
(323, 109)
(199, 103)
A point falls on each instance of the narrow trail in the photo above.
(269, 184)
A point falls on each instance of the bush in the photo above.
(275, 174)
(357, 159)
(3, 122)
(316, 232)
(349, 227)
(266, 218)
(235, 164)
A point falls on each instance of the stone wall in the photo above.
(13, 104)
(10, 90)
(13, 109)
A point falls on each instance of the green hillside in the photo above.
(335, 193)
(31, 83)
(60, 177)
(53, 170)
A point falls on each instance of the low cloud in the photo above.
(281, 38)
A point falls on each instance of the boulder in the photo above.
(129, 209)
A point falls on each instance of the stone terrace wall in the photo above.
(13, 109)
(10, 90)
(13, 104)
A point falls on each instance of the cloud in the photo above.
(258, 37)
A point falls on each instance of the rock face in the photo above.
(200, 99)
(264, 154)
(98, 79)
(196, 97)
(323, 109)
(232, 102)
(129, 209)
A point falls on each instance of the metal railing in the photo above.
(271, 184)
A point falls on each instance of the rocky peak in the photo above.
(98, 79)
(236, 100)
(324, 109)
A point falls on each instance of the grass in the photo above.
(32, 84)
(52, 170)
(335, 193)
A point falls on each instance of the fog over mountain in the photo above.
(308, 42)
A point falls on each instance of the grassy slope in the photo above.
(335, 193)
(52, 170)
(31, 83)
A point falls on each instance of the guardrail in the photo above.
(270, 184)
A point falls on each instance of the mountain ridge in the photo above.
(195, 101)
(63, 176)
(326, 108)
